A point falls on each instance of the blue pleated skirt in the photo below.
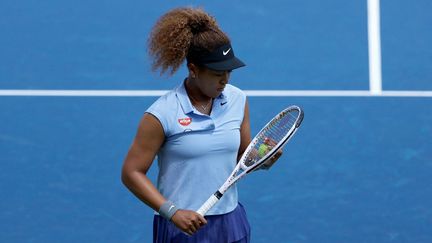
(226, 228)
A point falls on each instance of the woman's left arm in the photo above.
(245, 139)
(245, 136)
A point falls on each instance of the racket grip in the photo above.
(207, 205)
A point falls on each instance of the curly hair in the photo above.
(183, 34)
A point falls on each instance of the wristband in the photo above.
(167, 210)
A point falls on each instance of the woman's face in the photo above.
(211, 82)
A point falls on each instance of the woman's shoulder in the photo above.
(232, 90)
(163, 109)
(165, 100)
(235, 94)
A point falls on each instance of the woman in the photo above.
(198, 131)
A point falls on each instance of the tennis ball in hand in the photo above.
(263, 149)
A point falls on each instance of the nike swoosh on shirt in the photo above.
(226, 52)
(223, 103)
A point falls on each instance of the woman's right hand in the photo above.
(188, 221)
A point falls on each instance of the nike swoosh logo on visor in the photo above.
(226, 52)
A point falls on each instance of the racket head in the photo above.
(272, 137)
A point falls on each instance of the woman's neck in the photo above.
(199, 100)
(194, 91)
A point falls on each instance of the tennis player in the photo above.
(197, 131)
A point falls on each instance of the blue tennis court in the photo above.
(358, 170)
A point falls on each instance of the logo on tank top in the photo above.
(185, 121)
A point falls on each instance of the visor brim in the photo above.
(226, 65)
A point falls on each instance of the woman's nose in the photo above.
(225, 77)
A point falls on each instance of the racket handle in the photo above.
(208, 204)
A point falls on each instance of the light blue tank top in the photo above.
(200, 151)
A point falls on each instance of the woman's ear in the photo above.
(193, 70)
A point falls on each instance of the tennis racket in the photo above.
(272, 137)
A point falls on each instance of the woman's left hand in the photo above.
(269, 163)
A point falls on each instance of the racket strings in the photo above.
(279, 127)
(271, 136)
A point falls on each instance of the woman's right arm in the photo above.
(148, 140)
(142, 152)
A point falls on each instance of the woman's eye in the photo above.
(223, 73)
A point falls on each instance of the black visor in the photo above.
(221, 59)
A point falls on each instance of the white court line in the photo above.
(374, 46)
(252, 93)
(120, 93)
